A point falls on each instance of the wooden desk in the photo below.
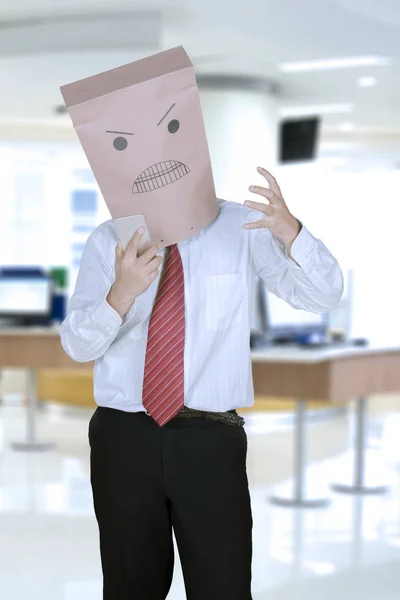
(33, 348)
(331, 374)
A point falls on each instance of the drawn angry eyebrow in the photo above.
(120, 132)
(166, 114)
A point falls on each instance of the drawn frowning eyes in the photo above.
(173, 126)
(120, 142)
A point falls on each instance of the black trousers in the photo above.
(189, 477)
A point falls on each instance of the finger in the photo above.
(260, 206)
(118, 251)
(263, 224)
(133, 245)
(266, 193)
(153, 265)
(149, 255)
(153, 276)
(273, 184)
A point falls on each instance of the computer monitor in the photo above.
(298, 139)
(25, 299)
(285, 323)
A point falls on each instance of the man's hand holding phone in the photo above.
(133, 273)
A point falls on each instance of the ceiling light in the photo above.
(346, 126)
(335, 63)
(315, 109)
(323, 568)
(367, 81)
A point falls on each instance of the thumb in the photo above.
(118, 251)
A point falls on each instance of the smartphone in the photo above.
(127, 226)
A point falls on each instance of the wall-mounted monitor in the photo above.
(298, 140)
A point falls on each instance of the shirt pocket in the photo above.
(223, 300)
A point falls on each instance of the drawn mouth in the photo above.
(159, 175)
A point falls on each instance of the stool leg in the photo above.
(358, 486)
(299, 482)
(300, 451)
(31, 444)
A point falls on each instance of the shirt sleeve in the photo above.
(314, 284)
(91, 324)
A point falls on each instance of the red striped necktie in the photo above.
(163, 385)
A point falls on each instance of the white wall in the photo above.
(357, 215)
(242, 135)
(37, 223)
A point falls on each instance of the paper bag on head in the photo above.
(142, 130)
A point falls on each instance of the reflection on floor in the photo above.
(351, 550)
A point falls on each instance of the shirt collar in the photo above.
(203, 231)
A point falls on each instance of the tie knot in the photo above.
(173, 251)
(173, 262)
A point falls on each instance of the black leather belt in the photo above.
(229, 418)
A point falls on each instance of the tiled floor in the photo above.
(351, 550)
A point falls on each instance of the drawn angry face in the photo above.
(147, 147)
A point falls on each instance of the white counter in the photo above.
(315, 355)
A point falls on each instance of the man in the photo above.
(169, 331)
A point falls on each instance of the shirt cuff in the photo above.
(302, 249)
(107, 316)
(129, 315)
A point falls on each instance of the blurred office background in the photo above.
(309, 89)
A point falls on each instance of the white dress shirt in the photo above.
(220, 265)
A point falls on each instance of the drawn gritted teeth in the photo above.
(159, 175)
